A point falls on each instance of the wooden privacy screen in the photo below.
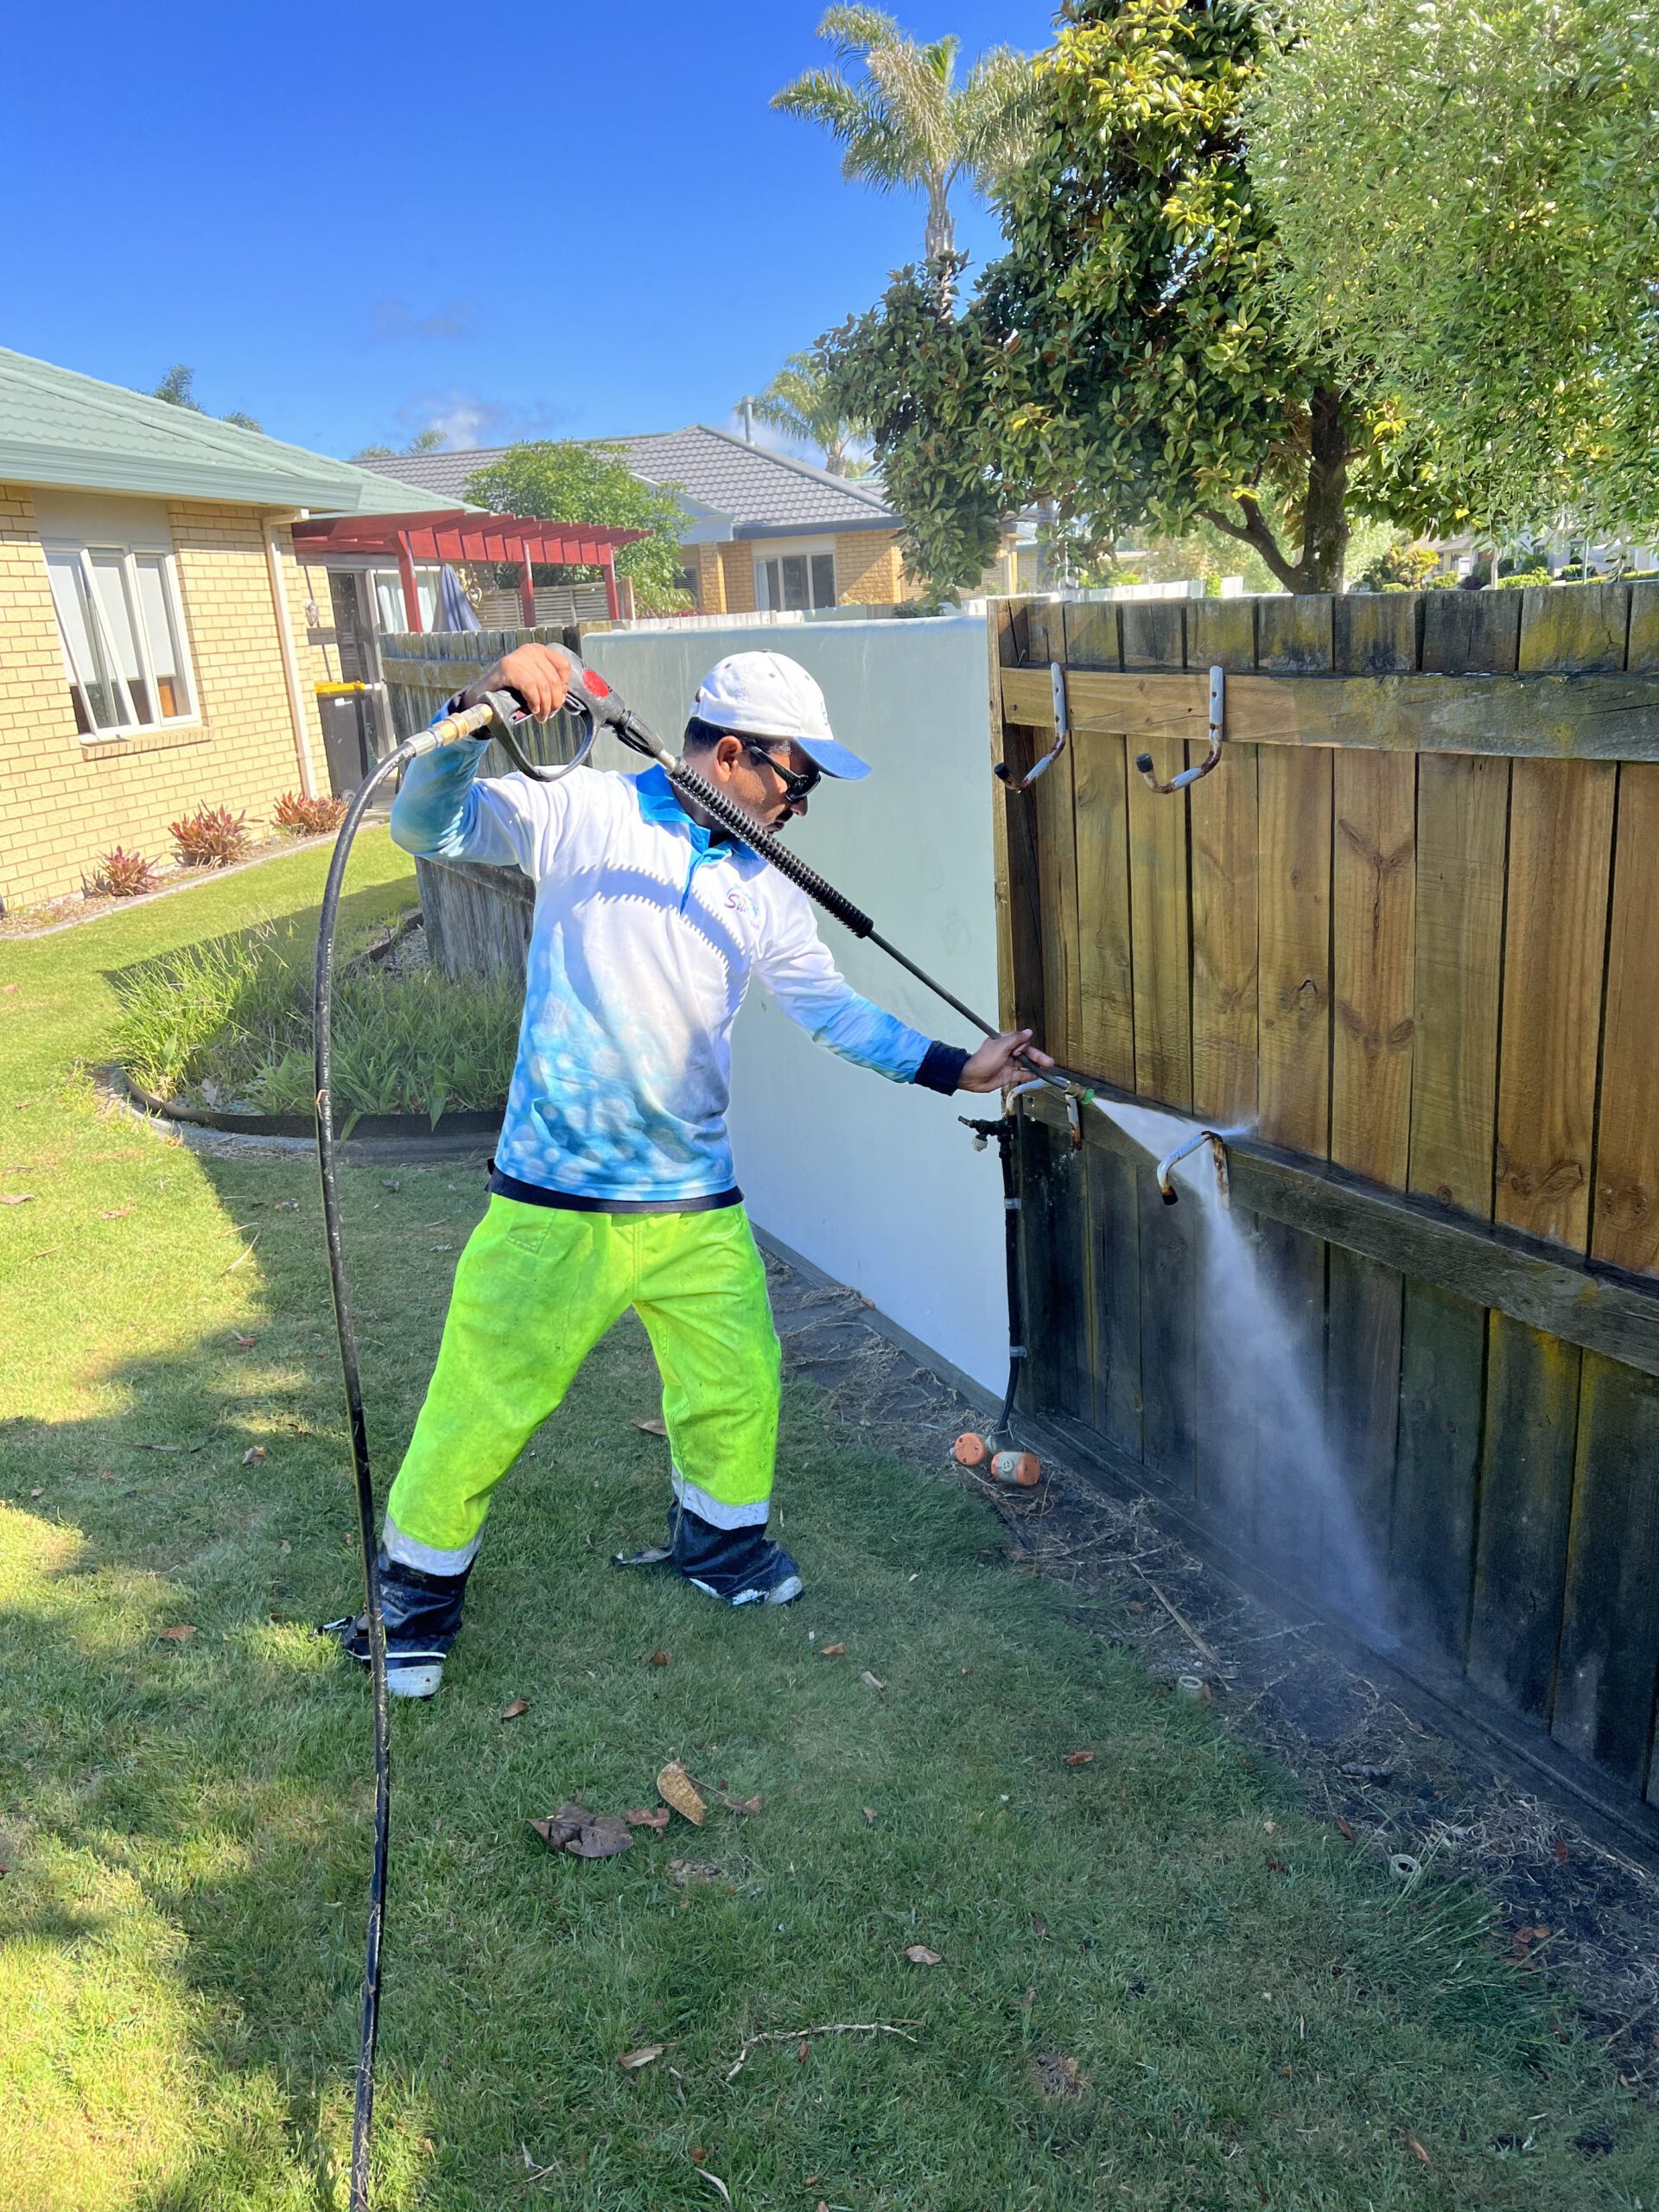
(1408, 932)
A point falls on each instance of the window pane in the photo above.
(795, 586)
(823, 580)
(109, 571)
(82, 645)
(765, 577)
(160, 635)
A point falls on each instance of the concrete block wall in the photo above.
(64, 800)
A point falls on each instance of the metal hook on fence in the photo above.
(1062, 731)
(1166, 1189)
(1218, 717)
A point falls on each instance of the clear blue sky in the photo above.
(556, 219)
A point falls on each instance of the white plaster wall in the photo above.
(875, 1182)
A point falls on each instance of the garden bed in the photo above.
(218, 1034)
(77, 907)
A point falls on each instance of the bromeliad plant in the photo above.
(298, 816)
(121, 874)
(211, 837)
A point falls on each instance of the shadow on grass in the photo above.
(1251, 2013)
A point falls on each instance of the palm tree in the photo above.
(905, 122)
(798, 402)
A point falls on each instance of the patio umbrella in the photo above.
(455, 610)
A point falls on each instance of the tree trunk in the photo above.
(941, 234)
(1325, 515)
(1324, 520)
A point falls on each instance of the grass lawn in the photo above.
(1161, 1986)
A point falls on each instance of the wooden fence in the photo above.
(1408, 931)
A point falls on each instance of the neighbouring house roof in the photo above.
(61, 428)
(765, 494)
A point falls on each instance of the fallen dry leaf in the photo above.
(699, 2154)
(558, 1827)
(832, 1651)
(661, 1658)
(1060, 2077)
(802, 2051)
(601, 1839)
(16, 1198)
(1038, 1925)
(1277, 1866)
(175, 1634)
(648, 1816)
(1344, 1828)
(1419, 2149)
(242, 1343)
(869, 1812)
(870, 1681)
(1135, 1606)
(653, 1427)
(919, 1956)
(117, 1213)
(519, 1705)
(741, 1804)
(1560, 1851)
(676, 1788)
(1078, 1758)
(39, 1491)
(253, 1455)
(632, 2061)
(715, 2181)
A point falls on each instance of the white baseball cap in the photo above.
(767, 694)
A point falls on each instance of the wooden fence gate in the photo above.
(1408, 932)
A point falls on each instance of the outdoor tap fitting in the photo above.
(1166, 1189)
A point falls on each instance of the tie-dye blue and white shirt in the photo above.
(647, 931)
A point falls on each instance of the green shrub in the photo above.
(1522, 579)
(228, 1022)
(1401, 566)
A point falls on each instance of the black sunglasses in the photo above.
(796, 783)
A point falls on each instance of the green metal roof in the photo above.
(61, 428)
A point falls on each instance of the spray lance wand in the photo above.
(502, 714)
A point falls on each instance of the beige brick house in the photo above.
(762, 530)
(154, 646)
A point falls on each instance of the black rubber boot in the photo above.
(422, 1613)
(740, 1567)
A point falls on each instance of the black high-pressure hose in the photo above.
(593, 698)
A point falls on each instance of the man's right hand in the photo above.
(539, 674)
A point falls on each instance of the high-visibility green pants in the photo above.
(536, 1290)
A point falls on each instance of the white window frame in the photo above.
(782, 549)
(80, 680)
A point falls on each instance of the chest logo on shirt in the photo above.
(742, 903)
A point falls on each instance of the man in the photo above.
(611, 1183)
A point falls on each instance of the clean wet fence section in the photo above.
(1405, 935)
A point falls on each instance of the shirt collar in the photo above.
(660, 803)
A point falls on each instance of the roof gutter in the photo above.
(290, 659)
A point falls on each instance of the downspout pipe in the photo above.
(279, 608)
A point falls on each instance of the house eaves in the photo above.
(62, 430)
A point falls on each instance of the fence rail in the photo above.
(1401, 933)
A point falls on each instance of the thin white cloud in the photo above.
(391, 320)
(465, 418)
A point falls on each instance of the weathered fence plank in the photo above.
(1610, 1623)
(1365, 1310)
(1442, 1373)
(1105, 1038)
(1526, 1493)
(1054, 811)
(1560, 858)
(1224, 833)
(1373, 900)
(1625, 1231)
(1168, 1335)
(1116, 1267)
(1463, 809)
(1293, 926)
(1159, 923)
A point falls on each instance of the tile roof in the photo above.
(761, 490)
(61, 428)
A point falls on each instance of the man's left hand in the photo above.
(996, 1065)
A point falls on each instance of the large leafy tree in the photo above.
(903, 119)
(569, 480)
(1464, 192)
(800, 401)
(1127, 358)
